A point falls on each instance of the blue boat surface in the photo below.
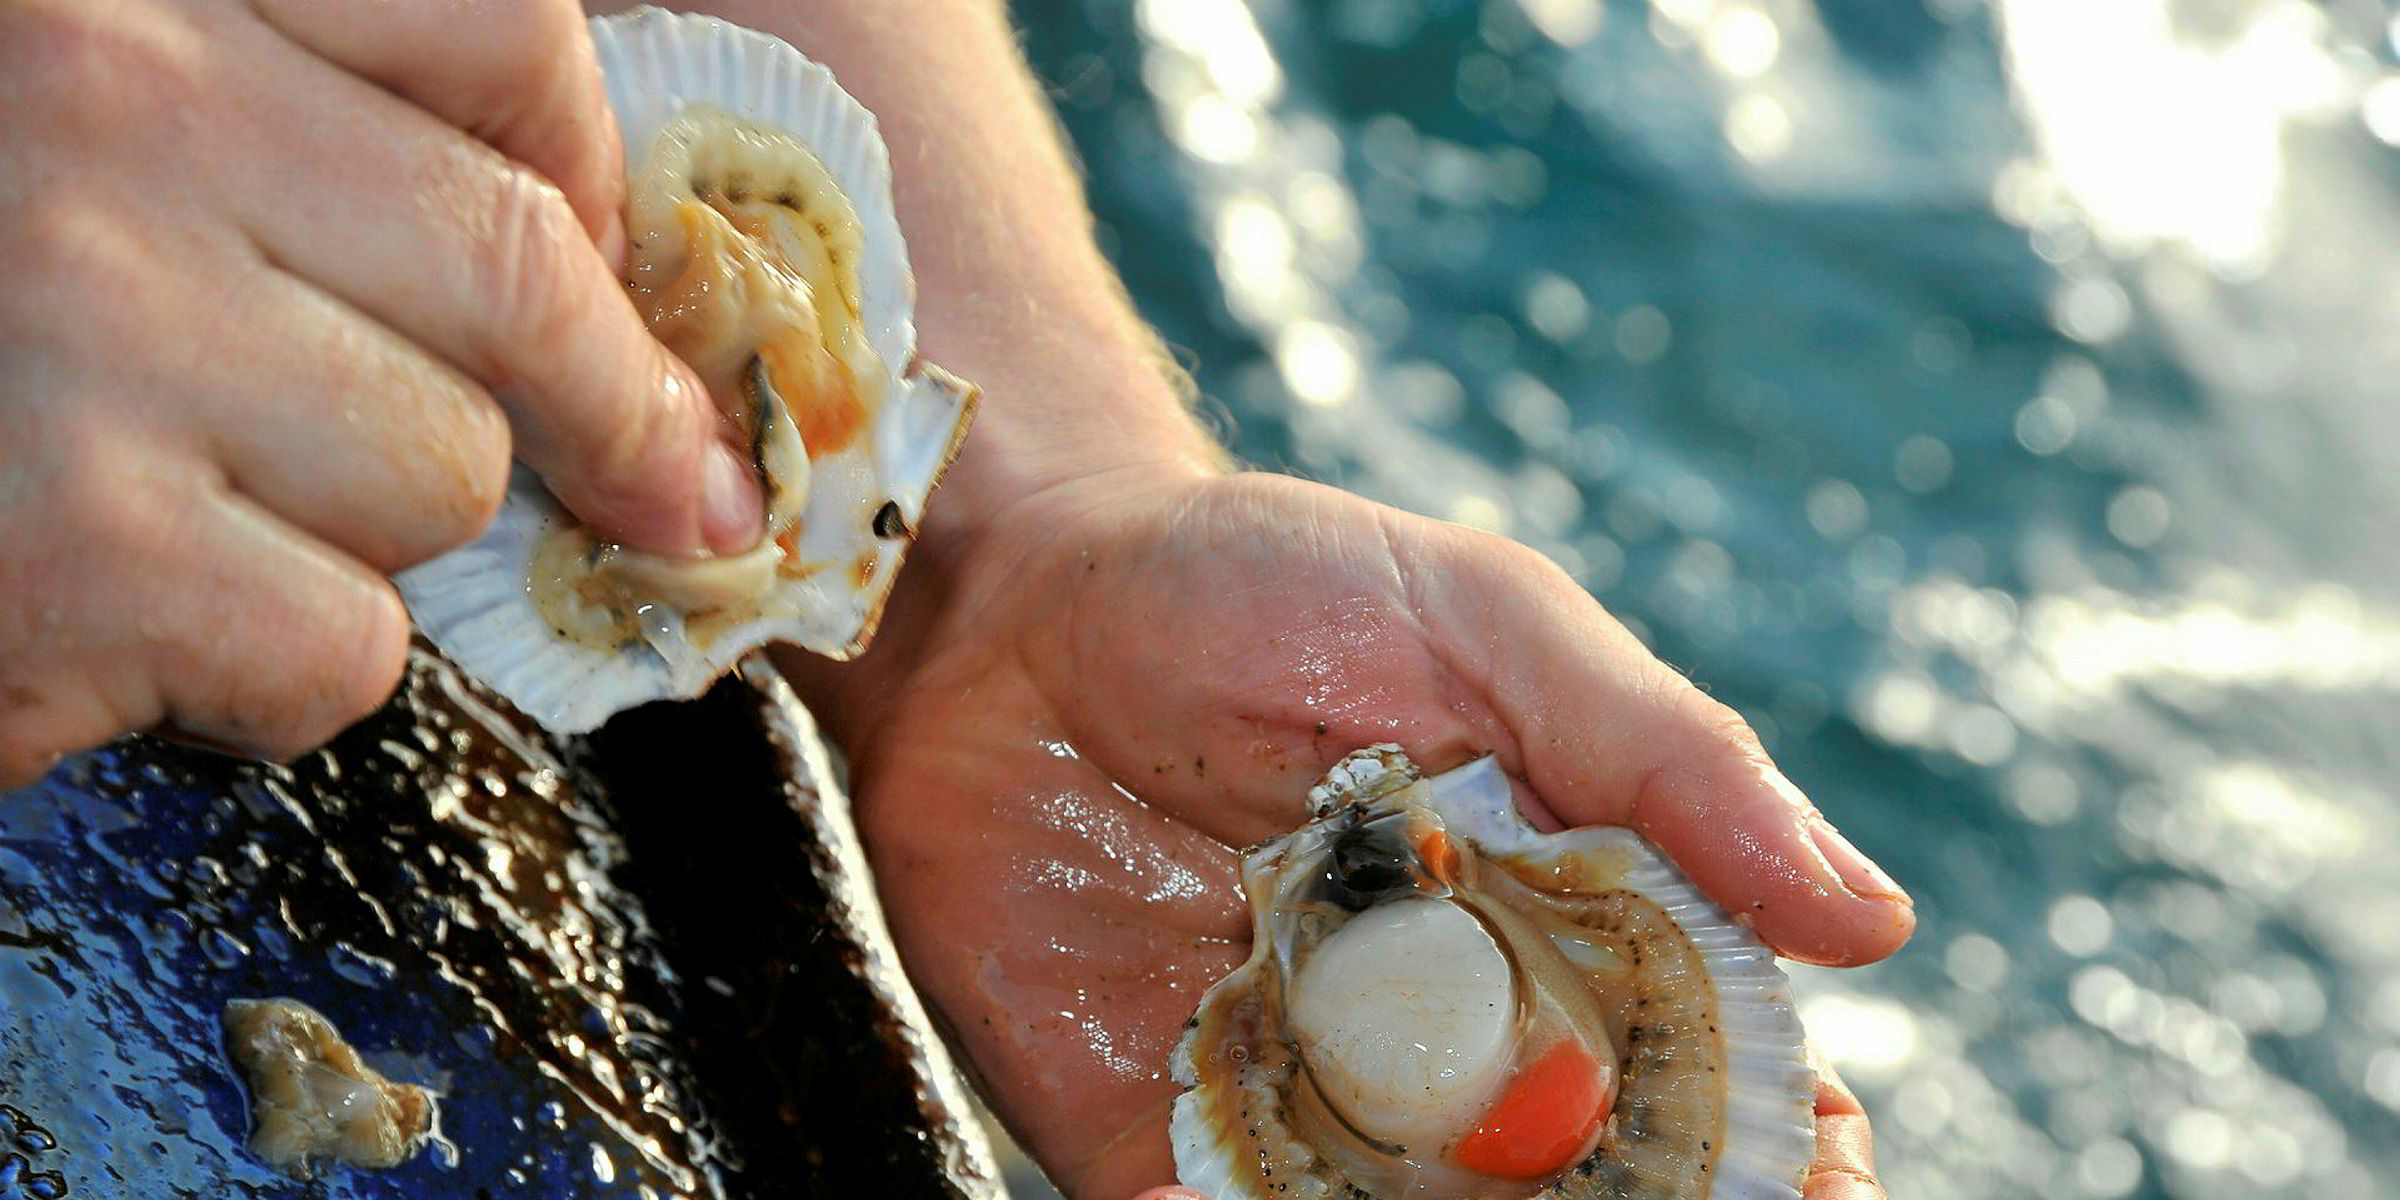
(615, 959)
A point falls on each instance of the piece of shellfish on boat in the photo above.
(1441, 1002)
(314, 1100)
(764, 251)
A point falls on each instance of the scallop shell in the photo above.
(475, 602)
(1759, 1134)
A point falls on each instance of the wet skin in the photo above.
(1205, 644)
(297, 282)
(1068, 729)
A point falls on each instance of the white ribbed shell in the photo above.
(473, 602)
(1768, 1129)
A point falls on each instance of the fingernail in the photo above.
(730, 505)
(1859, 873)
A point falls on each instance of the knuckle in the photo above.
(64, 248)
(503, 75)
(1523, 558)
(524, 250)
(79, 479)
(463, 501)
(64, 51)
(94, 70)
(1717, 724)
(437, 448)
(27, 751)
(37, 729)
(526, 33)
(543, 31)
(371, 669)
(357, 677)
(23, 761)
(116, 507)
(559, 135)
(351, 674)
(1509, 555)
(557, 21)
(479, 485)
(455, 469)
(73, 513)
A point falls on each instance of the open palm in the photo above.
(1072, 733)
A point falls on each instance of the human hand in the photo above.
(288, 274)
(1074, 719)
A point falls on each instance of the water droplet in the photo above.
(223, 949)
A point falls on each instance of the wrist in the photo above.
(1055, 414)
(1065, 439)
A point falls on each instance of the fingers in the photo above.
(276, 642)
(486, 264)
(1845, 1164)
(518, 74)
(1610, 735)
(47, 714)
(206, 464)
(237, 629)
(1387, 627)
(334, 423)
(146, 361)
(393, 455)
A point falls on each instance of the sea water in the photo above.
(1997, 402)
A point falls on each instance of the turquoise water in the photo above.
(1993, 401)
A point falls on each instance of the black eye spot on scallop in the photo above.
(888, 521)
(1367, 862)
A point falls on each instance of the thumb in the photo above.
(1609, 735)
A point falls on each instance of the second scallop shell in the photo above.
(1442, 1003)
